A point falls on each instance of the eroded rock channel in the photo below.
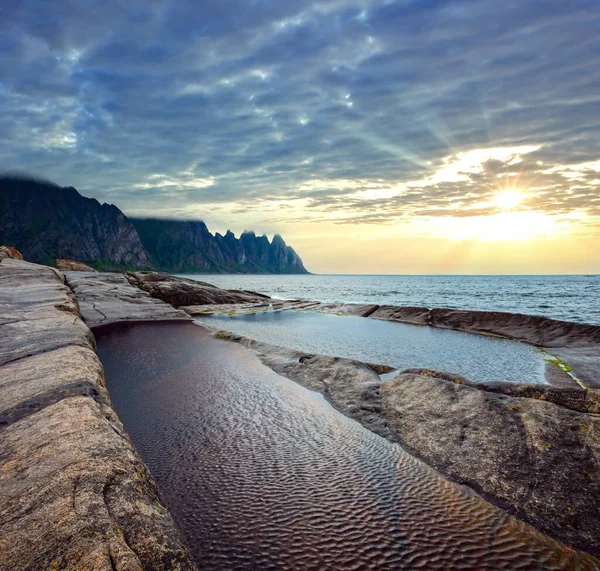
(261, 473)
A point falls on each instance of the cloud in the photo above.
(346, 110)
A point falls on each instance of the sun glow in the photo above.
(501, 227)
(508, 199)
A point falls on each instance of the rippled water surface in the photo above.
(261, 473)
(572, 298)
(400, 345)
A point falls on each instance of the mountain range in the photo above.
(45, 221)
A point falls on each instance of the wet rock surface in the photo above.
(74, 494)
(538, 458)
(263, 474)
(109, 297)
(185, 292)
(355, 309)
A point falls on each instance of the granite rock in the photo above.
(74, 493)
(72, 266)
(534, 457)
(185, 292)
(109, 298)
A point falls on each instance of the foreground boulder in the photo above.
(74, 494)
(185, 292)
(539, 459)
(72, 266)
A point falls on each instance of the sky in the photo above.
(409, 136)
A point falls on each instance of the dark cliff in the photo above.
(181, 246)
(44, 222)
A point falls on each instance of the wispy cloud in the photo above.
(345, 110)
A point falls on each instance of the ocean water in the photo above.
(571, 298)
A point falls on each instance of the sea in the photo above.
(570, 298)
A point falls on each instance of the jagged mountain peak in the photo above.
(173, 249)
(45, 221)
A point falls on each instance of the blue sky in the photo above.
(349, 121)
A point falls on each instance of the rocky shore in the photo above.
(532, 450)
(74, 494)
(575, 346)
(70, 472)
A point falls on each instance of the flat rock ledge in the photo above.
(106, 298)
(185, 292)
(74, 494)
(532, 450)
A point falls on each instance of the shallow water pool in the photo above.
(477, 357)
(263, 474)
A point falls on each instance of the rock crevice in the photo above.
(73, 490)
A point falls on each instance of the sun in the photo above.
(508, 199)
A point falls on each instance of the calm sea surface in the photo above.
(572, 298)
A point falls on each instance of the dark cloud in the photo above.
(232, 101)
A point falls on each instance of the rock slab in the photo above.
(110, 298)
(538, 455)
(185, 292)
(74, 493)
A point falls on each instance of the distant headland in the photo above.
(46, 221)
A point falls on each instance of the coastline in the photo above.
(46, 307)
(564, 297)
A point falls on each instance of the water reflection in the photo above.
(400, 345)
(261, 473)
